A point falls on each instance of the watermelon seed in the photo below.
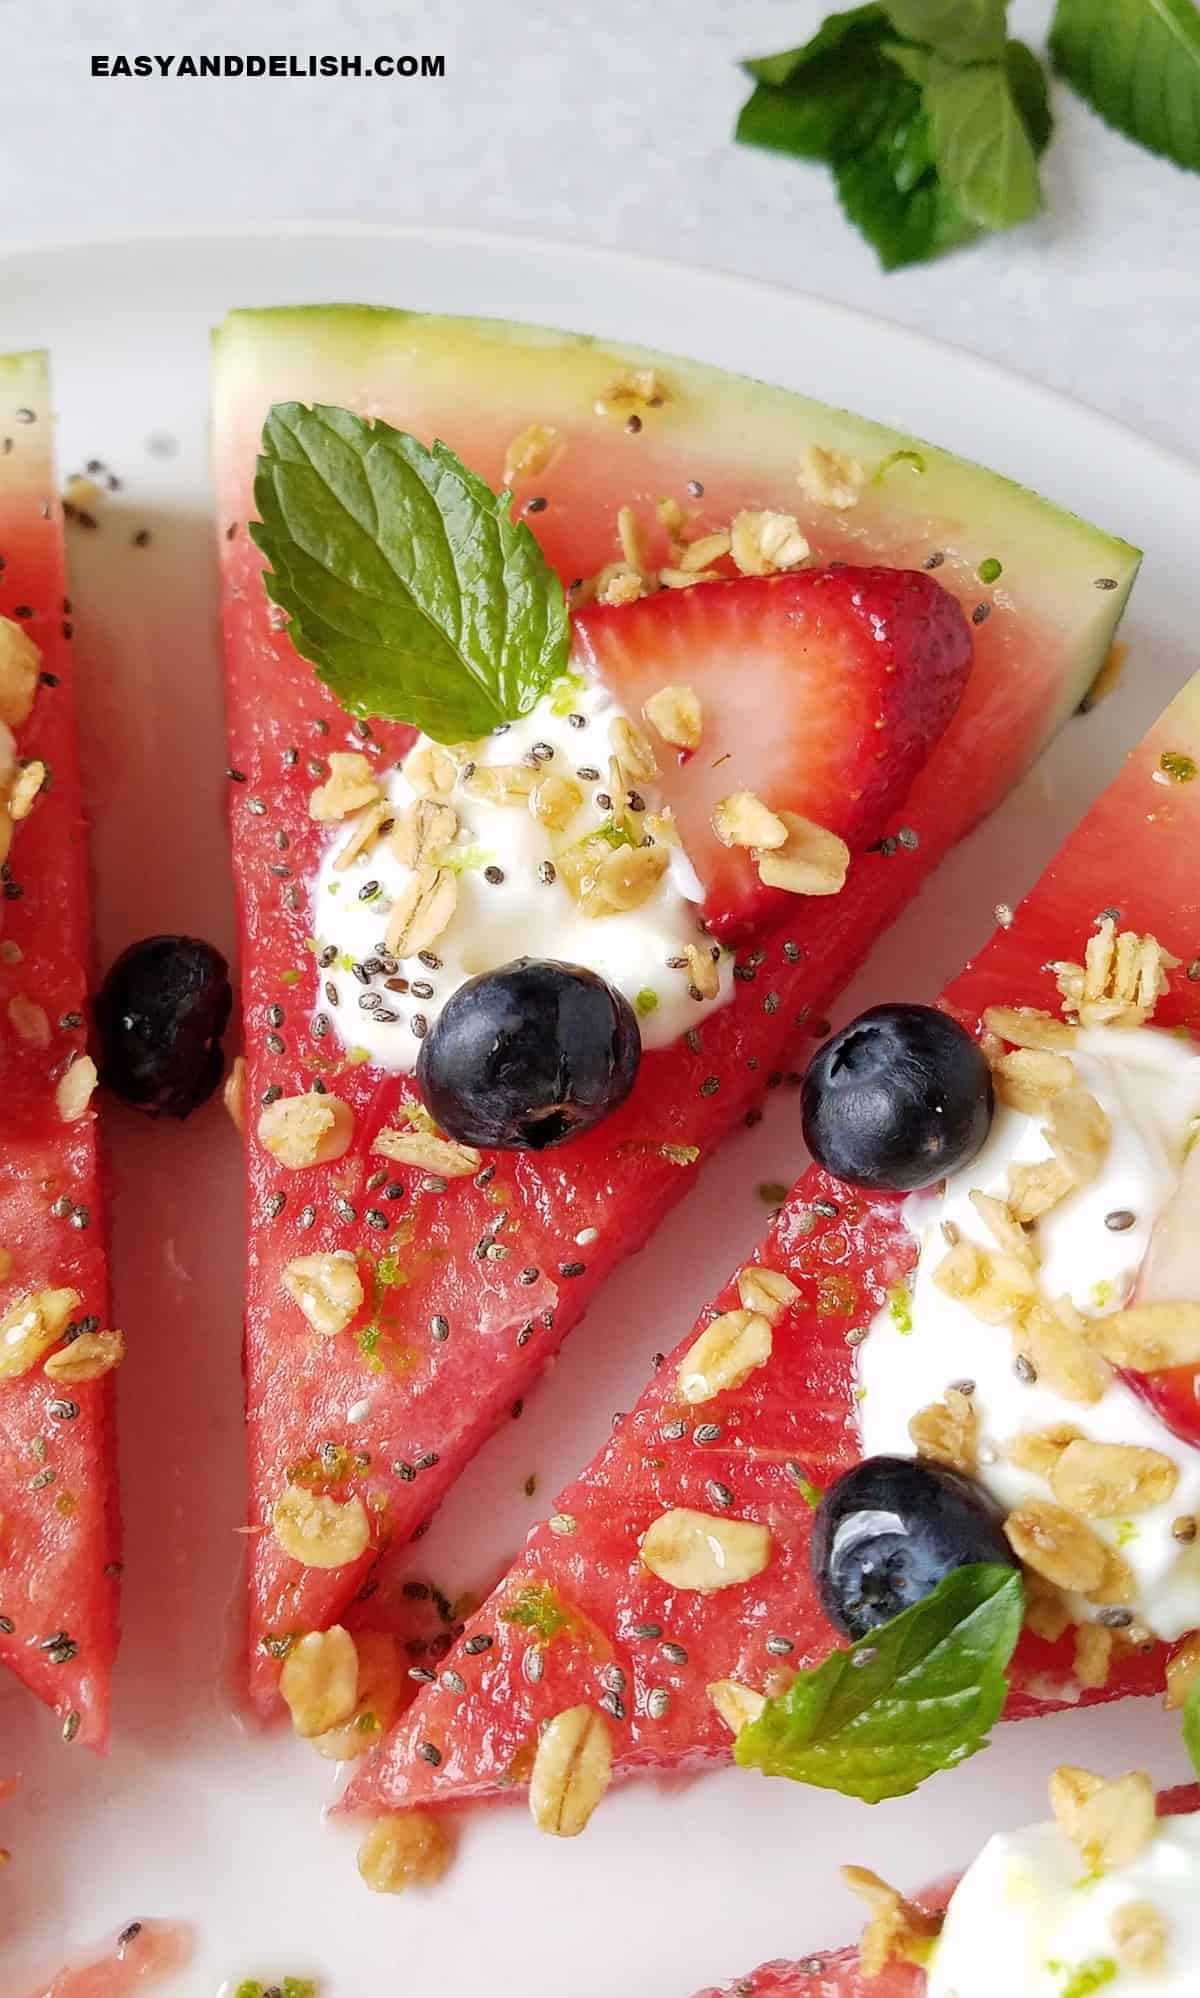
(658, 1702)
(432, 1184)
(421, 1675)
(482, 1641)
(440, 1328)
(675, 1654)
(428, 1753)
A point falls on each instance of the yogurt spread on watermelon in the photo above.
(524, 802)
(1090, 1248)
(1032, 1916)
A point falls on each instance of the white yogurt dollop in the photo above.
(1028, 1918)
(512, 902)
(1149, 1083)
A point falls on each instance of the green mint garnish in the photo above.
(1191, 1725)
(406, 582)
(1136, 62)
(918, 1695)
(564, 694)
(1085, 1978)
(930, 118)
(899, 1302)
(538, 1607)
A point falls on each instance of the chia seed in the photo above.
(275, 1045)
(528, 1275)
(377, 1219)
(658, 1702)
(695, 489)
(588, 773)
(710, 1085)
(1024, 1369)
(571, 1269)
(720, 1494)
(1120, 1219)
(780, 1646)
(577, 720)
(307, 1216)
(394, 1190)
(707, 1432)
(536, 505)
(827, 1209)
(482, 1641)
(645, 1631)
(275, 1016)
(533, 1665)
(344, 1209)
(419, 1025)
(428, 1753)
(675, 1654)
(276, 1203)
(421, 1675)
(613, 1704)
(547, 873)
(439, 1328)
(453, 1681)
(493, 876)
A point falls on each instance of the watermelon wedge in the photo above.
(580, 1621)
(386, 1416)
(59, 1540)
(839, 1974)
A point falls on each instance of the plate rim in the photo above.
(46, 245)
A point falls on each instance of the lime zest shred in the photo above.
(899, 1304)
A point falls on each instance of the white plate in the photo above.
(192, 1817)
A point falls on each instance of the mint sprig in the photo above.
(1191, 1725)
(918, 1695)
(406, 581)
(1136, 62)
(930, 119)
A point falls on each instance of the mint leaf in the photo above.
(889, 187)
(857, 25)
(1136, 62)
(960, 30)
(826, 109)
(1191, 1725)
(924, 1692)
(981, 149)
(1031, 95)
(407, 584)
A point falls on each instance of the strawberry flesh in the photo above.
(822, 693)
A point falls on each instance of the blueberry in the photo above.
(899, 1098)
(529, 1056)
(160, 1014)
(890, 1530)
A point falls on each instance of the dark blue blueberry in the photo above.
(529, 1056)
(898, 1099)
(160, 1015)
(890, 1530)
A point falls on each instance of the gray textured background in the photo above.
(608, 124)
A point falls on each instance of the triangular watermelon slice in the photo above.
(60, 1532)
(580, 1621)
(839, 1974)
(389, 1413)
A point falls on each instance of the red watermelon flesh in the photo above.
(579, 1594)
(838, 1974)
(391, 1411)
(60, 1532)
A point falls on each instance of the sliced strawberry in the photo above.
(821, 692)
